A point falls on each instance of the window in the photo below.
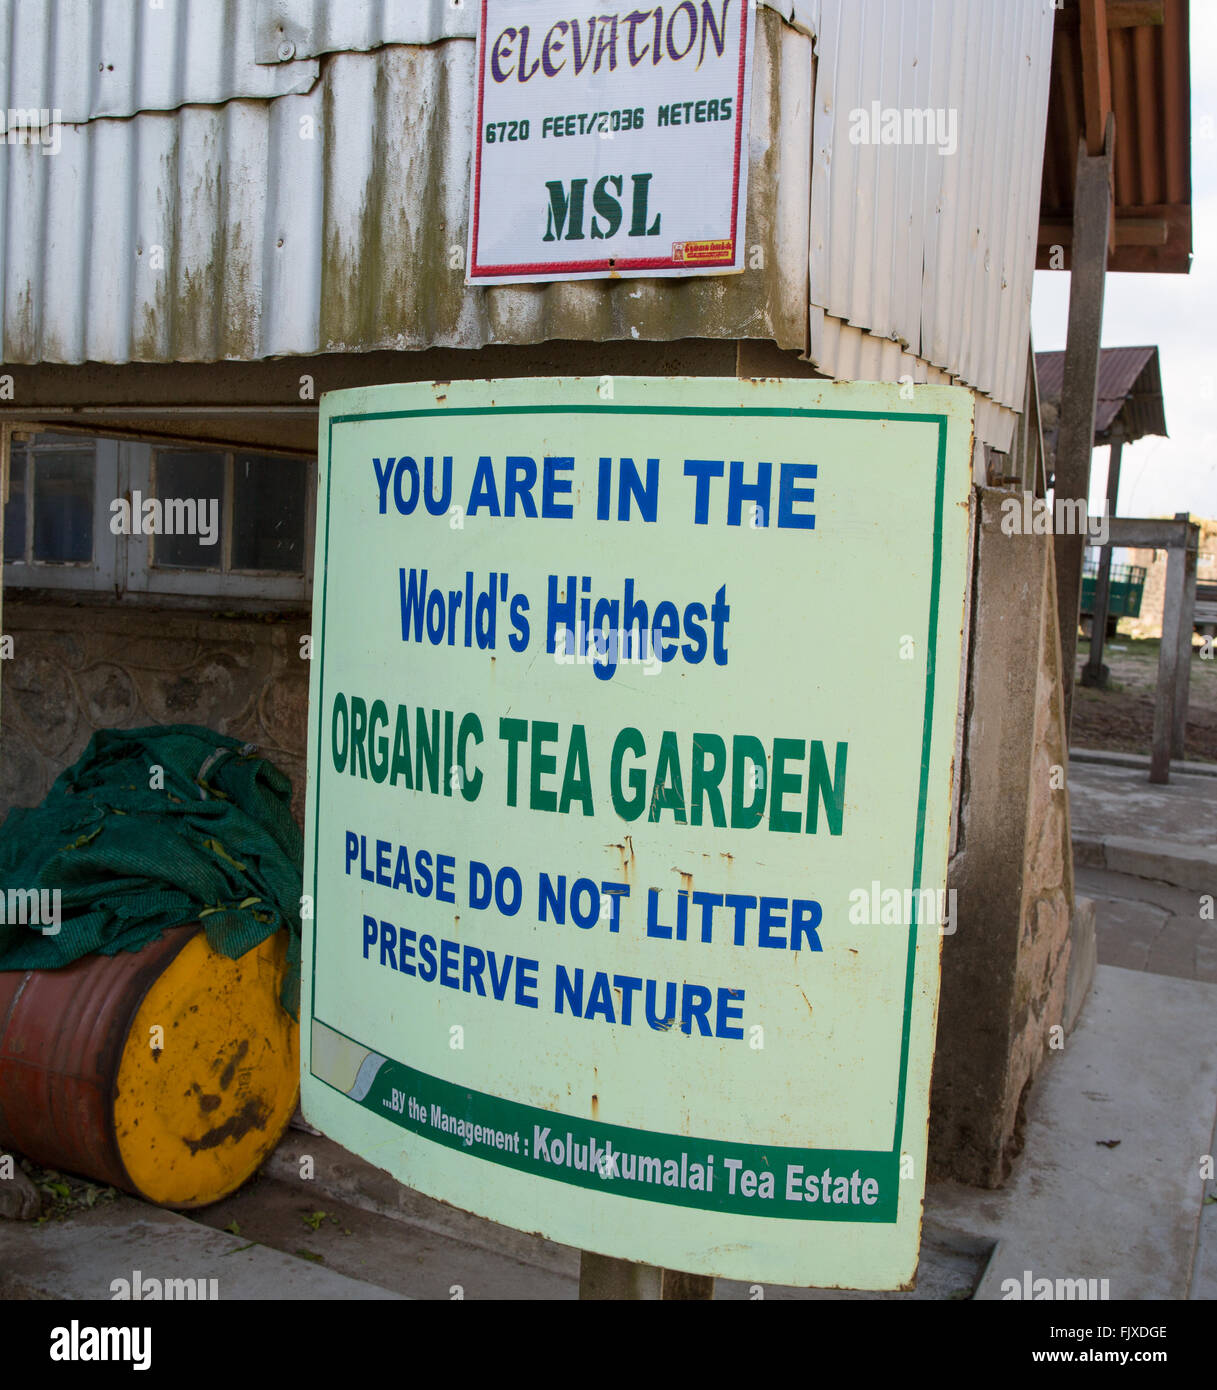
(159, 520)
(55, 523)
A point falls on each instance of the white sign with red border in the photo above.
(611, 139)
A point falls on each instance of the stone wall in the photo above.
(79, 668)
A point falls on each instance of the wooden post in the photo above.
(1168, 661)
(1094, 672)
(602, 1277)
(1079, 390)
(1187, 618)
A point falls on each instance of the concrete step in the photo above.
(1109, 1183)
(1103, 757)
(1166, 861)
(1144, 924)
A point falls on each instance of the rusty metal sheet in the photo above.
(87, 59)
(312, 224)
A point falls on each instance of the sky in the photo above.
(1159, 477)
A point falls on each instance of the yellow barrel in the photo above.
(171, 1072)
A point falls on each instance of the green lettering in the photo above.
(669, 790)
(746, 749)
(577, 775)
(628, 741)
(783, 782)
(704, 780)
(832, 793)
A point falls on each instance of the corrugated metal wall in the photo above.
(932, 252)
(336, 221)
(241, 179)
(91, 58)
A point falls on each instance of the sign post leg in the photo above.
(601, 1277)
(1183, 669)
(1168, 665)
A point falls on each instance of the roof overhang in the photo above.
(1129, 58)
(1129, 403)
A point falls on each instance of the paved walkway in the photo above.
(1109, 801)
(1142, 924)
(1147, 855)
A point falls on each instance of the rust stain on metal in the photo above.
(207, 1102)
(252, 1115)
(230, 1070)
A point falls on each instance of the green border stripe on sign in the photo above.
(626, 1162)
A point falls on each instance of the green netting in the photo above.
(133, 850)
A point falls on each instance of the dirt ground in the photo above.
(1122, 717)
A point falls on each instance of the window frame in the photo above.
(137, 473)
(124, 565)
(99, 573)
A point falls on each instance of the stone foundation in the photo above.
(1004, 970)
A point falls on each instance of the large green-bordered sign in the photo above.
(632, 719)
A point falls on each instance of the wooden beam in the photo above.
(1096, 73)
(1147, 533)
(1130, 231)
(1134, 14)
(1080, 386)
(1121, 14)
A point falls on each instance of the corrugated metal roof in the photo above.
(1130, 390)
(89, 58)
(312, 27)
(312, 224)
(1151, 99)
(934, 251)
(329, 215)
